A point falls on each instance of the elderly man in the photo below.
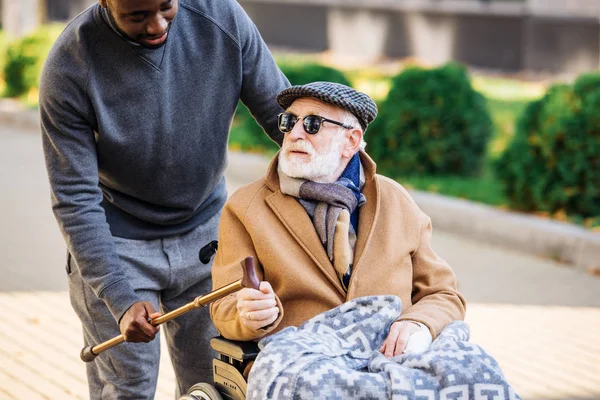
(326, 229)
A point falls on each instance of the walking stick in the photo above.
(249, 280)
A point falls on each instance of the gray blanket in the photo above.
(335, 356)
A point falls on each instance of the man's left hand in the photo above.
(395, 343)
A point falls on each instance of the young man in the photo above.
(136, 101)
(325, 229)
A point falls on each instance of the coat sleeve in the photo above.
(235, 244)
(435, 298)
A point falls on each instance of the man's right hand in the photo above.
(134, 324)
(257, 308)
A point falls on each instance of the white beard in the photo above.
(321, 168)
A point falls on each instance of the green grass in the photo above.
(243, 140)
(482, 189)
(504, 115)
(506, 100)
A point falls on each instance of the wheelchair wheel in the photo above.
(202, 391)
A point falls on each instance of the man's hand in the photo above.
(257, 308)
(134, 323)
(395, 343)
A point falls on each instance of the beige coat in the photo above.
(393, 256)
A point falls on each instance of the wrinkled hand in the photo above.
(134, 324)
(257, 308)
(395, 343)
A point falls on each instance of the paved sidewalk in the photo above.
(545, 352)
(539, 319)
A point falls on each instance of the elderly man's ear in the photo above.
(353, 144)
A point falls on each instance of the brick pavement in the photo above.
(40, 344)
(546, 352)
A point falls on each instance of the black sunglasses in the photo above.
(311, 123)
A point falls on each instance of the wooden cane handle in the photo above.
(249, 279)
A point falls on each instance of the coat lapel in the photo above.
(297, 222)
(295, 219)
(368, 212)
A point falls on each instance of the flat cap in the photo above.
(336, 94)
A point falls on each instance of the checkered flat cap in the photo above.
(336, 94)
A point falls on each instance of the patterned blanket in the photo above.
(335, 356)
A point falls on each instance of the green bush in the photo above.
(25, 59)
(248, 135)
(432, 123)
(3, 48)
(553, 162)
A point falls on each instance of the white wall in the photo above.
(20, 17)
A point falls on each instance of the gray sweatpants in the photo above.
(167, 273)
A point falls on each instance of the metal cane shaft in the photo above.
(197, 303)
(107, 345)
(173, 314)
(249, 280)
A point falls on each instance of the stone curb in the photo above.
(560, 241)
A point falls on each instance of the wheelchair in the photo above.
(231, 361)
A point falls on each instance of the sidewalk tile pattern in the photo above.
(546, 353)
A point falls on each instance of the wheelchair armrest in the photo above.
(241, 351)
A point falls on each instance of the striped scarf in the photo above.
(333, 209)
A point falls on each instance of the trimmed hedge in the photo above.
(432, 123)
(25, 59)
(297, 74)
(553, 162)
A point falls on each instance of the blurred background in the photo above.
(489, 112)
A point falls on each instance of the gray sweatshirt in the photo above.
(135, 140)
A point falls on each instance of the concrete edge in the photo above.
(560, 241)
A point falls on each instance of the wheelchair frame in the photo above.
(232, 359)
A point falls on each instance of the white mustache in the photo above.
(300, 145)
